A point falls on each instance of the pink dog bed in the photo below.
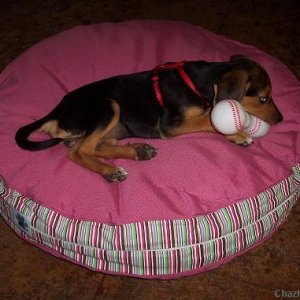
(201, 202)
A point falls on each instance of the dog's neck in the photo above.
(179, 66)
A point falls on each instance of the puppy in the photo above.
(169, 101)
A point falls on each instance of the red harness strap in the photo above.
(183, 75)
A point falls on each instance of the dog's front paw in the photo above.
(145, 151)
(246, 143)
(117, 175)
(241, 139)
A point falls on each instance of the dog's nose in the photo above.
(279, 117)
(276, 118)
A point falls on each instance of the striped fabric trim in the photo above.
(158, 247)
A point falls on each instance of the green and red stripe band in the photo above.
(158, 247)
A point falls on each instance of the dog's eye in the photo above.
(263, 99)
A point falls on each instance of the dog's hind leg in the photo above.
(91, 162)
(87, 153)
(135, 151)
(84, 151)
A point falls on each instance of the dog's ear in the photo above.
(233, 85)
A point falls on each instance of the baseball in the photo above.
(256, 127)
(229, 117)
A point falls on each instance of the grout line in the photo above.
(287, 200)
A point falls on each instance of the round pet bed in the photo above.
(201, 202)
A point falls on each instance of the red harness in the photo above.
(183, 75)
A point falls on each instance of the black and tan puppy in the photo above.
(171, 100)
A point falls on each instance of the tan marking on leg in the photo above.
(197, 124)
(89, 144)
(193, 112)
(116, 151)
(51, 127)
(85, 153)
(110, 141)
(136, 151)
(90, 162)
(241, 138)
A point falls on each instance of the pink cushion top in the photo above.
(191, 175)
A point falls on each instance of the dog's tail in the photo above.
(23, 133)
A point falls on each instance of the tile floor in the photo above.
(271, 25)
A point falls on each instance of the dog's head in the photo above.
(249, 83)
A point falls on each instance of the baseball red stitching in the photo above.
(236, 115)
(256, 128)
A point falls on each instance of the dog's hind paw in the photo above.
(145, 151)
(118, 175)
